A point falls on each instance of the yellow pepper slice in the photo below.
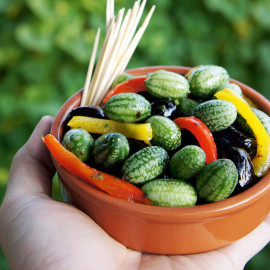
(250, 102)
(261, 161)
(101, 126)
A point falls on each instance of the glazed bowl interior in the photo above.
(89, 199)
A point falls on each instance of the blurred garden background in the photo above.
(45, 46)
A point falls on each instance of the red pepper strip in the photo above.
(202, 134)
(134, 85)
(113, 185)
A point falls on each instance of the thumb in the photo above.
(32, 168)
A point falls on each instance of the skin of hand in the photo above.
(37, 232)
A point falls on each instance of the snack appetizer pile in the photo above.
(168, 139)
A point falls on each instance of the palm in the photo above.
(46, 234)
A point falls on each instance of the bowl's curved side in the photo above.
(169, 230)
(156, 233)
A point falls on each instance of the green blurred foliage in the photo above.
(45, 46)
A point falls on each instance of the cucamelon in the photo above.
(145, 164)
(127, 107)
(205, 80)
(166, 133)
(110, 149)
(217, 180)
(170, 192)
(79, 142)
(187, 162)
(186, 106)
(166, 84)
(216, 114)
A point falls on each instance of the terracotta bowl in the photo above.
(164, 230)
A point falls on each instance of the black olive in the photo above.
(231, 137)
(162, 106)
(165, 176)
(135, 146)
(165, 107)
(250, 145)
(245, 168)
(90, 111)
(187, 138)
(114, 170)
(149, 97)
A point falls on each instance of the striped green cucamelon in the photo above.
(170, 192)
(263, 117)
(110, 149)
(187, 162)
(145, 165)
(122, 78)
(166, 84)
(217, 180)
(216, 114)
(79, 142)
(205, 80)
(127, 107)
(186, 106)
(166, 133)
(234, 87)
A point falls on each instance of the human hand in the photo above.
(37, 232)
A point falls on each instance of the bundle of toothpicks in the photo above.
(120, 42)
